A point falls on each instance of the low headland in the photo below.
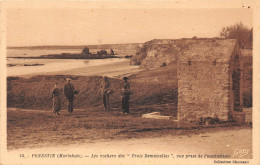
(85, 54)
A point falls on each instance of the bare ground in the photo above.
(211, 142)
(94, 126)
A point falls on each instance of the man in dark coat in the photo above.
(105, 92)
(69, 94)
(125, 96)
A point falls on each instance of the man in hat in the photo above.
(125, 96)
(69, 94)
(105, 91)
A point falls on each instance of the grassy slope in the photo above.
(154, 87)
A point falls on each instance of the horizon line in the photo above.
(27, 46)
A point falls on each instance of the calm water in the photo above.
(49, 65)
(37, 52)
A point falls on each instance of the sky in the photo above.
(84, 26)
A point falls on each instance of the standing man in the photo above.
(125, 96)
(69, 94)
(105, 92)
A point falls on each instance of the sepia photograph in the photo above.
(122, 82)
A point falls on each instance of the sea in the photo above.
(25, 66)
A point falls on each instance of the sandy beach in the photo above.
(115, 67)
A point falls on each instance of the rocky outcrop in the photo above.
(156, 53)
(85, 51)
(153, 54)
(112, 52)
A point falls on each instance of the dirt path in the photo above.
(219, 142)
(95, 131)
(224, 142)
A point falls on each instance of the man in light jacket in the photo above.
(69, 94)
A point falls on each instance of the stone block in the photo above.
(155, 115)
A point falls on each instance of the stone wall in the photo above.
(209, 81)
(203, 90)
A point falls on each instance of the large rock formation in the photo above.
(112, 52)
(154, 53)
(102, 52)
(158, 52)
(85, 51)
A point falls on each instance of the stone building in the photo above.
(209, 80)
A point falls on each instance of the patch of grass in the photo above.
(148, 88)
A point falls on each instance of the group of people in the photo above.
(106, 91)
(69, 92)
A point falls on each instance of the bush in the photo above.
(239, 31)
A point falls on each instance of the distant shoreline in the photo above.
(103, 46)
(67, 57)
